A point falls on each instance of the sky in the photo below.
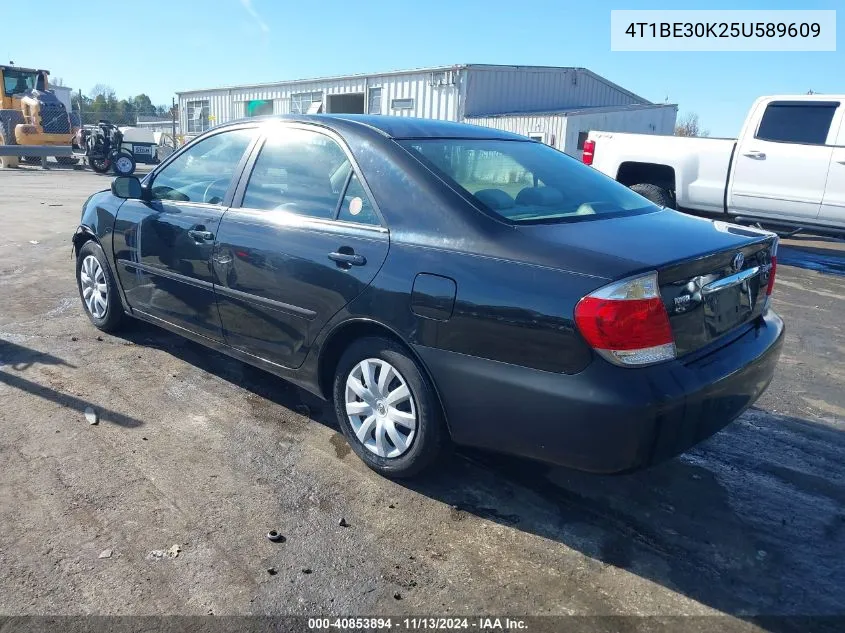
(159, 47)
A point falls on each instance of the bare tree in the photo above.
(688, 125)
(107, 92)
(58, 81)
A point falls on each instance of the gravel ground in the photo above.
(201, 452)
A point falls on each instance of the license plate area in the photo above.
(141, 149)
(727, 308)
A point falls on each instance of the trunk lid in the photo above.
(705, 293)
(708, 297)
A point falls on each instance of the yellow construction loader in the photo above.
(30, 114)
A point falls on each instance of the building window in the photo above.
(374, 104)
(197, 112)
(582, 138)
(402, 104)
(258, 107)
(301, 101)
(797, 123)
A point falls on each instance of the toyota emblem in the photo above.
(739, 260)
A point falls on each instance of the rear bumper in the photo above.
(605, 419)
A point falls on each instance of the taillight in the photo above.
(589, 152)
(627, 323)
(773, 269)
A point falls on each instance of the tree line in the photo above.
(102, 103)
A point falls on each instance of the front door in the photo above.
(781, 169)
(833, 205)
(304, 241)
(163, 245)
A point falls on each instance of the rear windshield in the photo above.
(526, 182)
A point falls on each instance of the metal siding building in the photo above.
(504, 97)
(566, 130)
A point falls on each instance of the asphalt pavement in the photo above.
(198, 451)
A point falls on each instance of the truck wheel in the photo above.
(100, 165)
(658, 195)
(9, 119)
(124, 164)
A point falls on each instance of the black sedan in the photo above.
(442, 283)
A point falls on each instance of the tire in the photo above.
(425, 443)
(112, 315)
(67, 160)
(658, 195)
(100, 165)
(9, 119)
(124, 164)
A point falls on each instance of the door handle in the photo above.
(201, 236)
(345, 260)
(755, 155)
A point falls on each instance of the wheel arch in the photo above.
(635, 173)
(84, 234)
(343, 335)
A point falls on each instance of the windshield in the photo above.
(526, 182)
(19, 81)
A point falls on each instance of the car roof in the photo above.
(398, 127)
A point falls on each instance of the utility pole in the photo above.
(173, 117)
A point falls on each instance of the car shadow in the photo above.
(750, 523)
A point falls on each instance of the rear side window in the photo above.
(797, 122)
(526, 182)
(298, 171)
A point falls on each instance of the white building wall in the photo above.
(63, 94)
(654, 120)
(551, 126)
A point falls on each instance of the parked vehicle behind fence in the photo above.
(440, 283)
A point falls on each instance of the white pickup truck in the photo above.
(786, 169)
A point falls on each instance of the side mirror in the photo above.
(128, 187)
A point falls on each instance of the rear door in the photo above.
(833, 205)
(163, 246)
(782, 166)
(302, 240)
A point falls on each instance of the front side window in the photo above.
(203, 172)
(301, 102)
(803, 123)
(526, 182)
(298, 171)
(197, 115)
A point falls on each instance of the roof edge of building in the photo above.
(575, 110)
